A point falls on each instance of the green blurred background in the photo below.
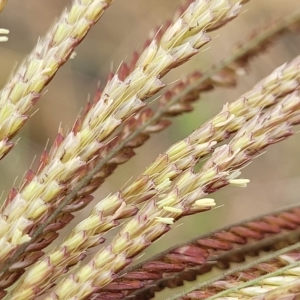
(123, 28)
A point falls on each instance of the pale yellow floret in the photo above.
(7, 110)
(209, 175)
(3, 31)
(104, 276)
(169, 171)
(256, 290)
(76, 13)
(36, 209)
(18, 237)
(4, 226)
(239, 182)
(33, 67)
(56, 257)
(287, 259)
(148, 55)
(294, 271)
(68, 285)
(21, 223)
(15, 208)
(131, 225)
(89, 223)
(164, 185)
(52, 189)
(87, 270)
(108, 204)
(169, 200)
(32, 189)
(178, 150)
(5, 247)
(18, 91)
(226, 120)
(173, 209)
(204, 147)
(73, 55)
(168, 221)
(234, 174)
(205, 202)
(40, 270)
(75, 240)
(278, 280)
(24, 294)
(121, 243)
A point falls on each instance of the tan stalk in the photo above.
(224, 77)
(120, 100)
(24, 88)
(185, 197)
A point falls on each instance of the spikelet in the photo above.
(3, 38)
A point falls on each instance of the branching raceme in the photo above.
(185, 197)
(174, 164)
(137, 123)
(120, 99)
(169, 188)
